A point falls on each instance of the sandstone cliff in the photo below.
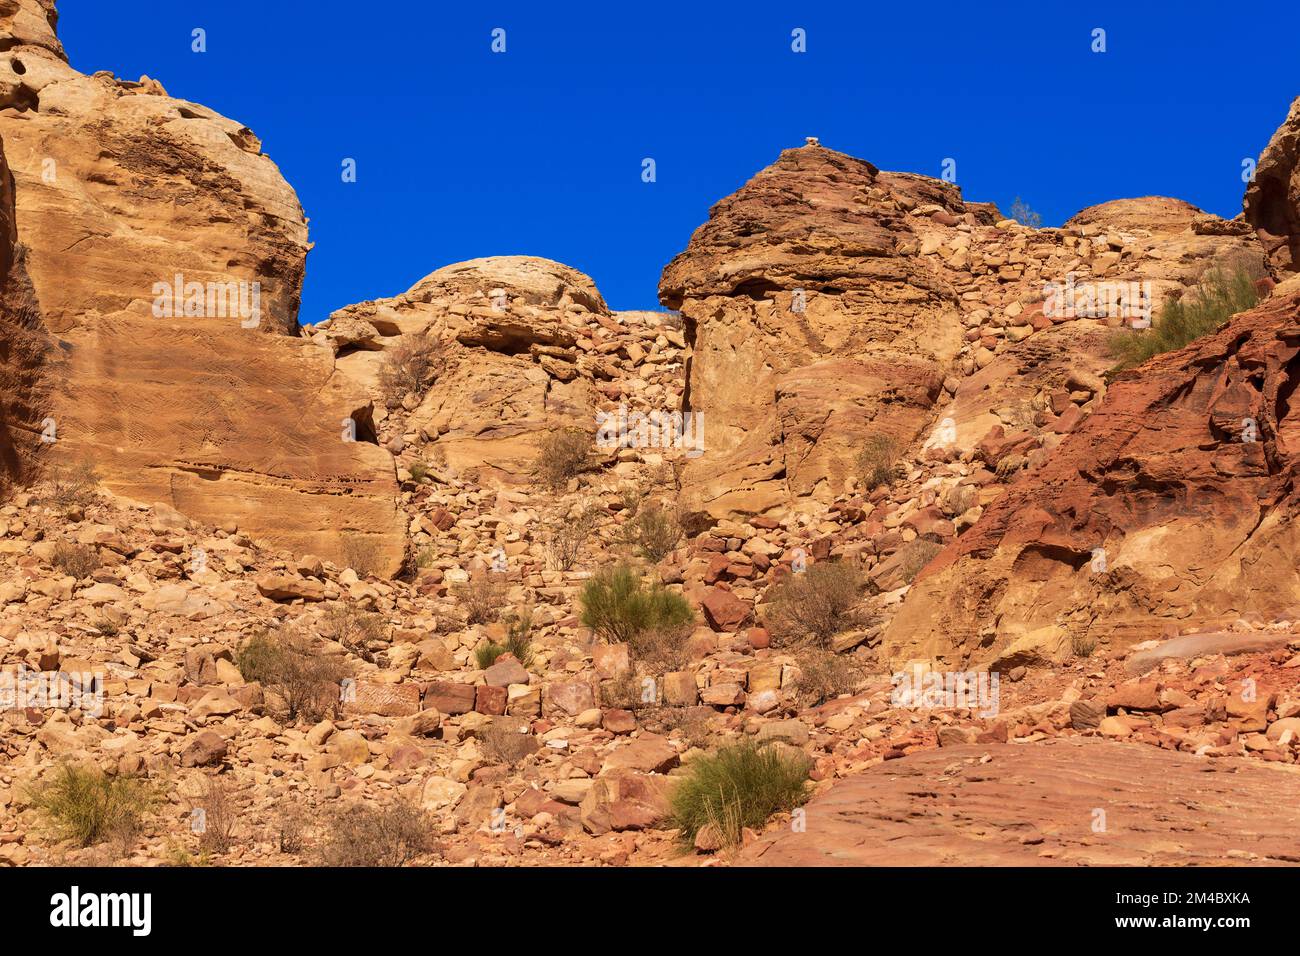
(205, 399)
(1272, 201)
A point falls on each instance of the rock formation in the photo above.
(1272, 201)
(167, 255)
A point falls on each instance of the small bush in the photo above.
(655, 531)
(1082, 645)
(619, 606)
(409, 367)
(816, 604)
(567, 537)
(915, 555)
(419, 471)
(482, 597)
(88, 806)
(363, 633)
(72, 485)
(562, 455)
(76, 560)
(823, 676)
(289, 664)
(364, 835)
(361, 552)
(518, 641)
(1022, 214)
(1217, 298)
(218, 818)
(878, 461)
(738, 786)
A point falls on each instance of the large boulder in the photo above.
(207, 400)
(1272, 201)
(813, 322)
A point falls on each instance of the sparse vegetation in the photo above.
(877, 461)
(561, 456)
(619, 606)
(364, 835)
(1218, 297)
(959, 499)
(915, 555)
(363, 633)
(825, 675)
(289, 664)
(87, 806)
(655, 531)
(482, 596)
(409, 367)
(72, 485)
(76, 560)
(567, 537)
(217, 832)
(738, 786)
(1022, 214)
(361, 552)
(1082, 645)
(419, 471)
(517, 642)
(816, 604)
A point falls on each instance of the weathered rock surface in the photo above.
(966, 806)
(219, 410)
(812, 319)
(1154, 511)
(1272, 201)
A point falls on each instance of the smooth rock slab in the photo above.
(946, 808)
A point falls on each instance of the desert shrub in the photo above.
(518, 641)
(106, 626)
(409, 367)
(364, 835)
(619, 606)
(824, 675)
(877, 461)
(655, 531)
(662, 648)
(1082, 645)
(622, 692)
(915, 555)
(289, 825)
(1217, 297)
(76, 560)
(361, 552)
(218, 818)
(363, 633)
(88, 806)
(419, 471)
(482, 596)
(959, 499)
(738, 786)
(562, 455)
(508, 740)
(816, 604)
(289, 664)
(1022, 214)
(72, 485)
(566, 538)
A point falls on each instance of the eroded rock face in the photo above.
(813, 320)
(517, 357)
(1174, 502)
(214, 406)
(1272, 202)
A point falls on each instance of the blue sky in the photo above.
(462, 152)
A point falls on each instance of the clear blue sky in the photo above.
(462, 153)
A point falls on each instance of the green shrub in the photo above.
(562, 455)
(518, 641)
(816, 604)
(738, 786)
(619, 606)
(290, 664)
(419, 471)
(1217, 298)
(877, 462)
(88, 806)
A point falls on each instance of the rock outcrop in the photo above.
(1272, 201)
(167, 254)
(1173, 503)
